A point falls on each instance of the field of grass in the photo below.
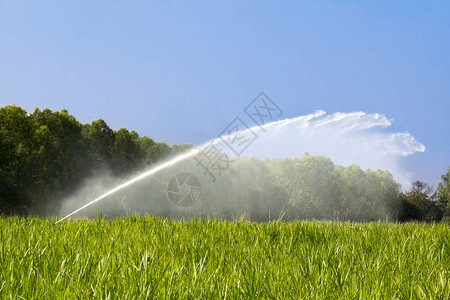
(134, 257)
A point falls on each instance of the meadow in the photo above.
(146, 257)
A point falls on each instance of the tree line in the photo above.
(308, 187)
(47, 154)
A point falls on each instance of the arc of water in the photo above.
(359, 120)
(168, 164)
(135, 179)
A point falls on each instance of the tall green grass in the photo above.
(134, 257)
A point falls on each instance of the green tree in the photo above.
(384, 195)
(58, 156)
(312, 184)
(159, 151)
(417, 204)
(99, 139)
(16, 145)
(127, 155)
(179, 148)
(443, 195)
(146, 144)
(47, 154)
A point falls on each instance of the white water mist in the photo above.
(347, 138)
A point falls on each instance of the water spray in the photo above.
(135, 179)
(170, 163)
(341, 136)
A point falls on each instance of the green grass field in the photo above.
(134, 257)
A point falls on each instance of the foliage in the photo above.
(417, 204)
(443, 194)
(45, 154)
(309, 187)
(318, 189)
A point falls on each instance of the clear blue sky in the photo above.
(181, 71)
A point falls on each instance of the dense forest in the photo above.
(46, 155)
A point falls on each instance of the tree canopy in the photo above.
(47, 153)
(443, 195)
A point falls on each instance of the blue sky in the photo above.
(181, 71)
